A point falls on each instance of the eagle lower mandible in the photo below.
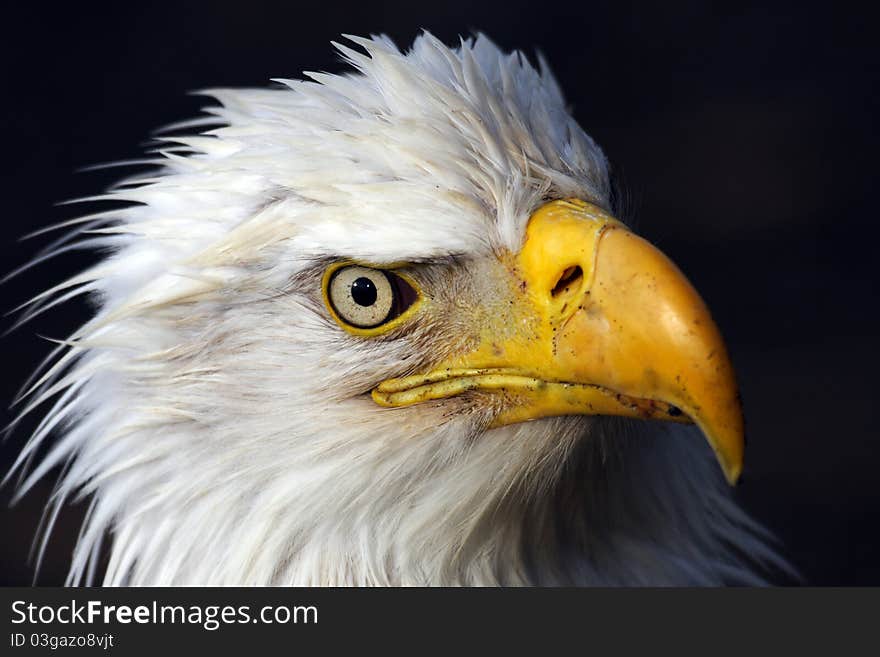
(380, 328)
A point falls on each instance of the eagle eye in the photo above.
(366, 298)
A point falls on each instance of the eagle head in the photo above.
(384, 328)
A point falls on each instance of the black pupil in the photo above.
(364, 292)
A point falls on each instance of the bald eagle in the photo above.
(384, 327)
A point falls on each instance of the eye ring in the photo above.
(366, 300)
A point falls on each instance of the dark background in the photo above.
(743, 135)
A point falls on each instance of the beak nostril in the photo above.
(570, 278)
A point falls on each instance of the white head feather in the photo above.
(216, 414)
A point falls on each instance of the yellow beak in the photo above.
(602, 324)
